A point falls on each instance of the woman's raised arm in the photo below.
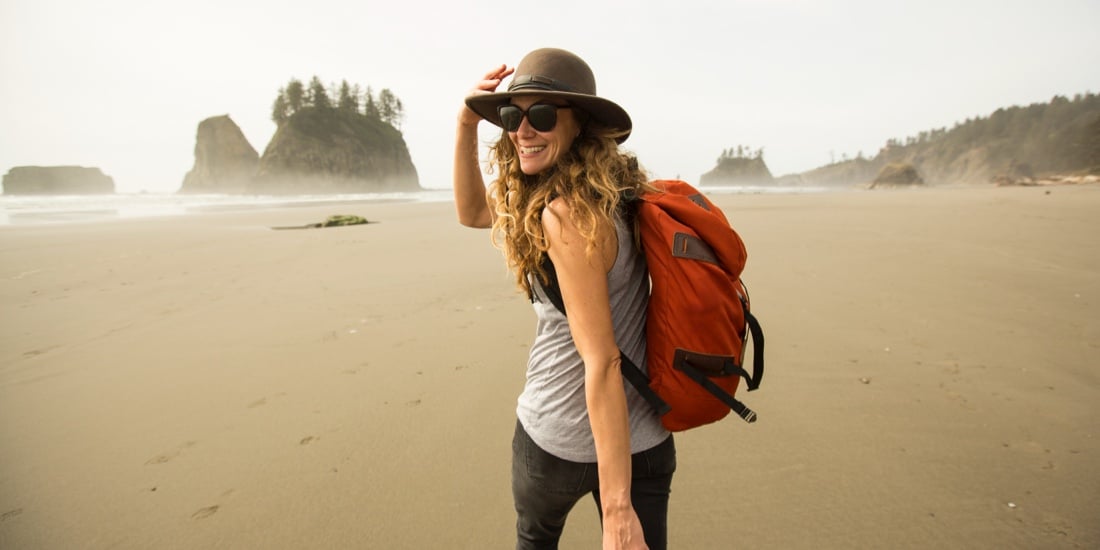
(469, 185)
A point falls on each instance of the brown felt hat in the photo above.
(554, 73)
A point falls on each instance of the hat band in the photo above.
(538, 82)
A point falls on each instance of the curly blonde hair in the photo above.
(593, 177)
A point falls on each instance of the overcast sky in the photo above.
(123, 84)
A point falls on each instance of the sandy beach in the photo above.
(204, 381)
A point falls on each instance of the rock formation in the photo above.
(738, 171)
(224, 160)
(897, 174)
(327, 150)
(57, 180)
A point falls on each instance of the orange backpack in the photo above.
(698, 321)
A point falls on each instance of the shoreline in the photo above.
(205, 381)
(21, 210)
(42, 209)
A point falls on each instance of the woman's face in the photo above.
(540, 150)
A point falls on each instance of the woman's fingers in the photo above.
(487, 85)
(500, 72)
(494, 77)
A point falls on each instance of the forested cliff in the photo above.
(1009, 145)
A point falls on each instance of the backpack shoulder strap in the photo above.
(551, 289)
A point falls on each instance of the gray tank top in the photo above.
(552, 407)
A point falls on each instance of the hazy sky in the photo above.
(123, 84)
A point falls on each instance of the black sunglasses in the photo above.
(542, 116)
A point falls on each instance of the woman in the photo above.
(557, 197)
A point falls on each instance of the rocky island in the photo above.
(739, 166)
(322, 150)
(352, 145)
(57, 180)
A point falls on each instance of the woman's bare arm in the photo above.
(583, 281)
(469, 185)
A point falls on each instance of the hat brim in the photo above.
(603, 111)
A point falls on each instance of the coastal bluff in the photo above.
(224, 160)
(1038, 144)
(57, 180)
(1054, 141)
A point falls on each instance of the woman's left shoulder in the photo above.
(558, 206)
(557, 216)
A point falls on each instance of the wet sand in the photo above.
(206, 382)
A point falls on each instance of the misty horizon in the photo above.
(122, 86)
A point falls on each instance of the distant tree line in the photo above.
(740, 152)
(1014, 121)
(1063, 134)
(295, 96)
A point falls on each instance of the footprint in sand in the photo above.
(258, 403)
(204, 513)
(10, 514)
(168, 456)
(308, 439)
(37, 352)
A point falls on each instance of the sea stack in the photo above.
(739, 169)
(224, 160)
(325, 150)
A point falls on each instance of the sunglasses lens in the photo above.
(510, 117)
(543, 117)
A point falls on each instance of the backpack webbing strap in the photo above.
(640, 381)
(757, 332)
(701, 379)
(551, 288)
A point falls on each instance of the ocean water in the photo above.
(763, 189)
(42, 209)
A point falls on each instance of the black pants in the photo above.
(546, 487)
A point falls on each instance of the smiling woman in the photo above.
(557, 206)
(539, 135)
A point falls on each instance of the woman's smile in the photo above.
(538, 151)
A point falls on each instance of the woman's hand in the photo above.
(623, 531)
(487, 85)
